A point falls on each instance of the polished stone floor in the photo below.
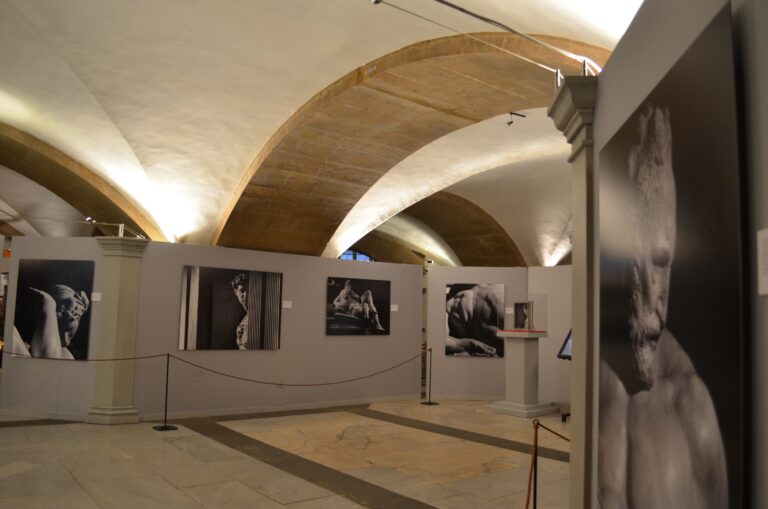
(397, 454)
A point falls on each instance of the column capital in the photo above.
(122, 246)
(573, 111)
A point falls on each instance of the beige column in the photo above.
(116, 335)
(572, 112)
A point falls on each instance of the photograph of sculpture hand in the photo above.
(52, 317)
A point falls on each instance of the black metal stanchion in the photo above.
(165, 426)
(429, 389)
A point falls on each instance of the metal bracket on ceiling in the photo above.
(512, 116)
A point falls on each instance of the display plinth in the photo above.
(521, 351)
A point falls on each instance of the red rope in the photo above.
(296, 385)
(533, 461)
(554, 432)
(27, 356)
(16, 355)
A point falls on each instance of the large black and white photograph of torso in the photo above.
(355, 307)
(671, 333)
(53, 309)
(230, 309)
(474, 313)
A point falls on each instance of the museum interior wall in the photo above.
(306, 354)
(549, 288)
(659, 35)
(459, 376)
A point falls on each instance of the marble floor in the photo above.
(396, 454)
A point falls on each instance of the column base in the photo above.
(113, 415)
(523, 410)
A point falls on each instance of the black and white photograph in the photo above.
(523, 312)
(53, 309)
(671, 373)
(474, 313)
(357, 307)
(3, 300)
(230, 309)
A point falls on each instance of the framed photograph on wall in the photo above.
(53, 309)
(671, 303)
(356, 307)
(474, 315)
(230, 309)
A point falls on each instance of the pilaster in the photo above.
(573, 114)
(116, 338)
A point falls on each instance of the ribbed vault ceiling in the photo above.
(258, 124)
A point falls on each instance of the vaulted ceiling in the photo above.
(283, 126)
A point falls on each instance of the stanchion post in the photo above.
(535, 461)
(165, 426)
(429, 389)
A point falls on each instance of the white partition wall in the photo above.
(466, 377)
(65, 389)
(47, 387)
(661, 33)
(483, 378)
(306, 355)
(554, 283)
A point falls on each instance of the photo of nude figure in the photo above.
(357, 307)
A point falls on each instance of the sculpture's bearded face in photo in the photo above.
(653, 218)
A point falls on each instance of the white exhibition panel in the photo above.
(660, 33)
(46, 387)
(58, 389)
(306, 354)
(467, 377)
(554, 373)
(484, 378)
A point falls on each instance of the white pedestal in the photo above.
(521, 351)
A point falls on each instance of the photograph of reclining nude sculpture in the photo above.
(357, 307)
(474, 313)
(52, 316)
(230, 309)
(671, 378)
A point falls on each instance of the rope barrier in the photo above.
(555, 432)
(533, 472)
(221, 373)
(338, 382)
(28, 356)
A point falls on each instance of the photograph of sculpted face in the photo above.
(230, 309)
(671, 335)
(52, 317)
(356, 307)
(522, 315)
(474, 313)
